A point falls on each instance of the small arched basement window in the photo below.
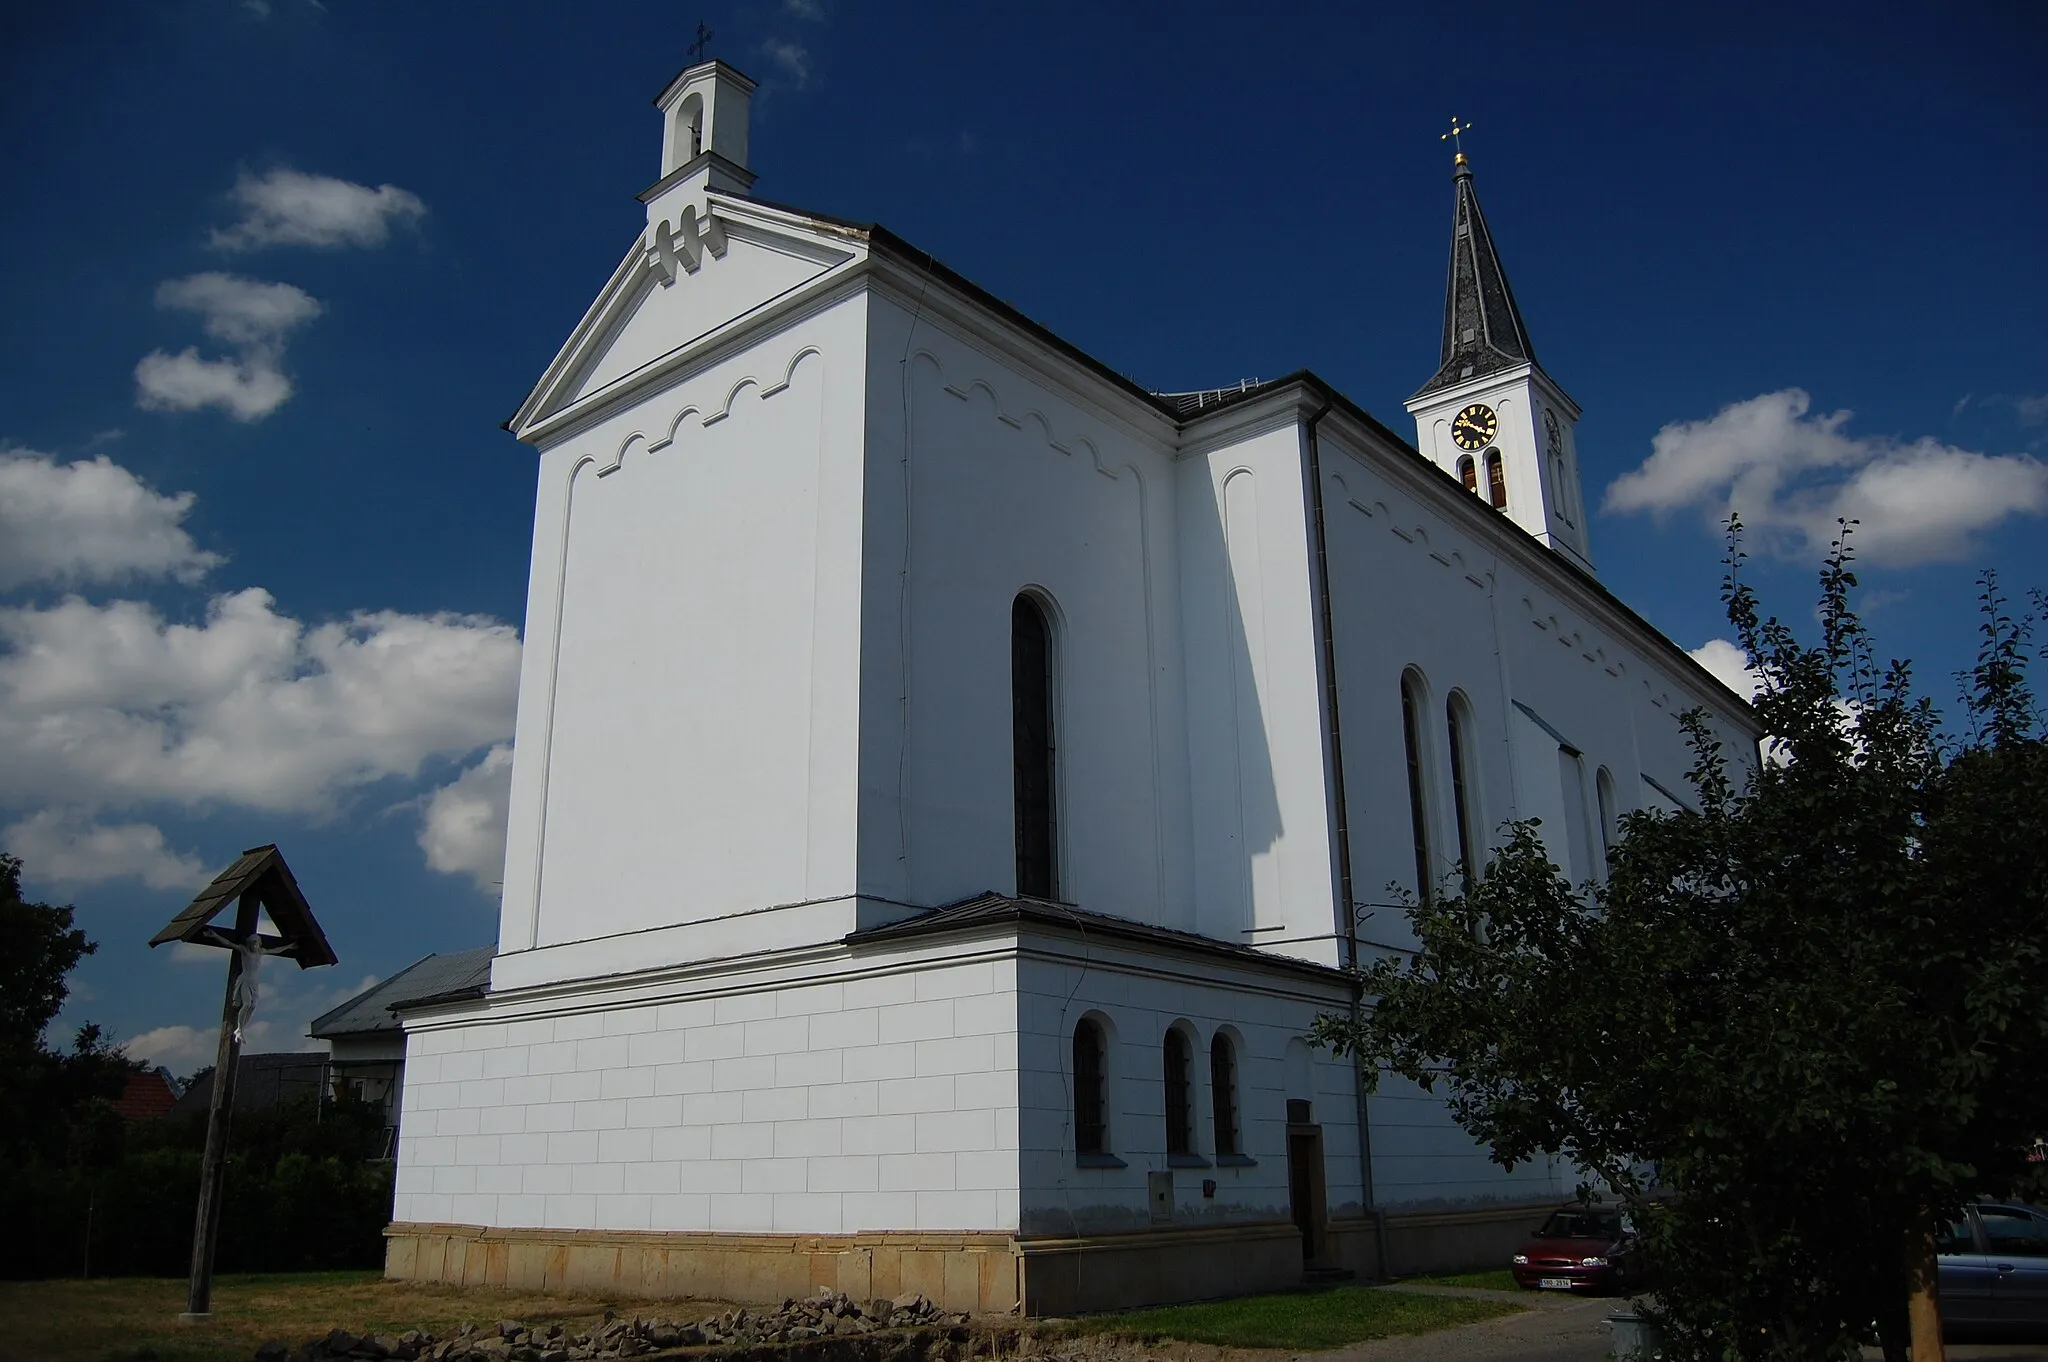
(1032, 743)
(1496, 480)
(1223, 1094)
(1091, 1127)
(1180, 1122)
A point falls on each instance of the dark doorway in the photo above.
(1032, 739)
(1305, 1188)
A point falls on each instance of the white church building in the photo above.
(950, 779)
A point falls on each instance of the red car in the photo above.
(1579, 1248)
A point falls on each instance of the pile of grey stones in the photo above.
(827, 1314)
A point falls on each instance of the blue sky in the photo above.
(274, 273)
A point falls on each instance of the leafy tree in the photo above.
(1795, 1029)
(45, 1094)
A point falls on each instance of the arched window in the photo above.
(1032, 741)
(1418, 795)
(1180, 1123)
(1464, 789)
(1091, 1126)
(1468, 473)
(1223, 1094)
(1564, 501)
(1496, 480)
(1603, 787)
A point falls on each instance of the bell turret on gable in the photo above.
(704, 127)
(703, 151)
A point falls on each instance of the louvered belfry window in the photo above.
(1496, 480)
(1032, 737)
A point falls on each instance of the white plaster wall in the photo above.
(1140, 996)
(1413, 587)
(1262, 870)
(875, 1094)
(985, 479)
(686, 734)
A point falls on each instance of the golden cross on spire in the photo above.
(1457, 131)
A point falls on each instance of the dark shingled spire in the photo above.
(1483, 330)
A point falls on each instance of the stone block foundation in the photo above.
(986, 1273)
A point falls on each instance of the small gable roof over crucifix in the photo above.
(260, 872)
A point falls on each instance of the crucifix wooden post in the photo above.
(219, 1111)
(258, 882)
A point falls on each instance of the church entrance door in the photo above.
(1305, 1193)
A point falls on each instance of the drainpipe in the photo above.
(1341, 808)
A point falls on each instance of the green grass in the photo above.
(1494, 1279)
(135, 1319)
(1301, 1319)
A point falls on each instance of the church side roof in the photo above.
(1001, 910)
(434, 976)
(1483, 328)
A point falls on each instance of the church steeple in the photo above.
(1483, 328)
(1491, 417)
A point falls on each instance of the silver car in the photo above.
(1994, 1266)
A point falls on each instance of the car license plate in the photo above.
(1556, 1283)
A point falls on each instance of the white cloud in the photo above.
(463, 831)
(813, 10)
(1791, 476)
(792, 59)
(68, 848)
(291, 208)
(248, 389)
(249, 313)
(112, 705)
(89, 521)
(1728, 664)
(238, 310)
(2032, 409)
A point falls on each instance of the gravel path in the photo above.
(1560, 1328)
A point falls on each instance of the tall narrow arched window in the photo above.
(1418, 794)
(1032, 742)
(1091, 1072)
(1468, 473)
(1180, 1122)
(1464, 789)
(1223, 1094)
(1603, 787)
(1496, 480)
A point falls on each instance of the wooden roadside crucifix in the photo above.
(258, 883)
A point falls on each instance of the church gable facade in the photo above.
(950, 779)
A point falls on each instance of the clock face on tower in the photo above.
(1474, 426)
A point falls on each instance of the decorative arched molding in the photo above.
(1016, 419)
(763, 391)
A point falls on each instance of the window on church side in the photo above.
(1418, 799)
(1468, 473)
(1603, 786)
(1179, 1094)
(1496, 480)
(1458, 725)
(1091, 1131)
(1032, 742)
(1223, 1093)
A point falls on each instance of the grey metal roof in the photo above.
(1483, 329)
(260, 871)
(435, 976)
(1000, 910)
